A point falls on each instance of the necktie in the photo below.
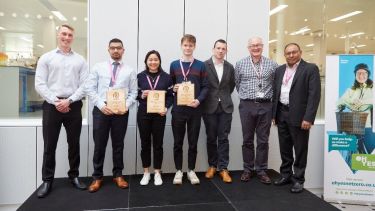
(114, 70)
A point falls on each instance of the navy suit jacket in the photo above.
(304, 95)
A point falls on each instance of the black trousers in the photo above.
(179, 122)
(292, 137)
(218, 126)
(256, 119)
(151, 130)
(102, 126)
(52, 121)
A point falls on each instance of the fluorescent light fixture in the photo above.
(346, 15)
(85, 19)
(39, 16)
(14, 15)
(358, 46)
(59, 15)
(50, 17)
(278, 9)
(2, 14)
(272, 41)
(40, 46)
(311, 54)
(300, 31)
(352, 35)
(349, 21)
(310, 45)
(2, 28)
(74, 18)
(27, 15)
(26, 39)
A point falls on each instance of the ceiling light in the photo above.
(311, 54)
(14, 15)
(360, 46)
(305, 20)
(74, 18)
(40, 46)
(27, 15)
(278, 9)
(349, 21)
(272, 41)
(352, 35)
(346, 16)
(50, 17)
(39, 16)
(301, 31)
(310, 45)
(2, 14)
(26, 39)
(59, 15)
(2, 28)
(85, 19)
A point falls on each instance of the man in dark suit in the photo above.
(295, 103)
(218, 108)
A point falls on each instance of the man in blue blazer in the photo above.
(295, 103)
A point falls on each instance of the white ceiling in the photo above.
(318, 13)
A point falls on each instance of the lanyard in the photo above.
(258, 73)
(114, 77)
(289, 73)
(183, 71)
(149, 82)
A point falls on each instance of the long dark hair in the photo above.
(158, 55)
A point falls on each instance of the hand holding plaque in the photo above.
(116, 100)
(185, 93)
(156, 101)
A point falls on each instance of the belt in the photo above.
(62, 98)
(284, 107)
(258, 100)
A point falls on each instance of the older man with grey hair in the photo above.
(254, 77)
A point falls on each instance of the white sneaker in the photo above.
(157, 179)
(177, 180)
(145, 179)
(192, 177)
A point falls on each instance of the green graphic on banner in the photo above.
(363, 162)
(342, 142)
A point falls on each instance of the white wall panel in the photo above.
(207, 21)
(17, 164)
(62, 162)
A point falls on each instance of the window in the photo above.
(28, 30)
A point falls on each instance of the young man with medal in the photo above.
(112, 88)
(190, 86)
(254, 77)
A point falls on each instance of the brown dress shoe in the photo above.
(120, 182)
(95, 185)
(264, 178)
(210, 172)
(224, 174)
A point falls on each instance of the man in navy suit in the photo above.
(217, 111)
(295, 103)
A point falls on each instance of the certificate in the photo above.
(185, 93)
(156, 101)
(116, 100)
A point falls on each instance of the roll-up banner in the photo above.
(349, 157)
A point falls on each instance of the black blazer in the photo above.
(218, 90)
(304, 95)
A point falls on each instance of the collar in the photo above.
(294, 66)
(111, 60)
(58, 50)
(216, 62)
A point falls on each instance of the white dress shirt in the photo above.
(61, 75)
(100, 77)
(287, 83)
(219, 67)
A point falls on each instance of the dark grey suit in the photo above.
(217, 115)
(304, 97)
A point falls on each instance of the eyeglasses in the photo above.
(256, 46)
(291, 53)
(116, 48)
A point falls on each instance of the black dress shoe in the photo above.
(245, 177)
(297, 188)
(264, 178)
(78, 184)
(44, 189)
(282, 181)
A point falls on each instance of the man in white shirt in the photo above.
(110, 75)
(217, 111)
(59, 79)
